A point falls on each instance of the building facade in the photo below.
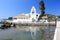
(29, 17)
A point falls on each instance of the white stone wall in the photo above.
(22, 20)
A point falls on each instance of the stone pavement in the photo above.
(57, 31)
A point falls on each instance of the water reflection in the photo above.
(22, 33)
(33, 31)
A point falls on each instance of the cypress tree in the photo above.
(42, 8)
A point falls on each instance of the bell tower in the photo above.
(33, 10)
(33, 13)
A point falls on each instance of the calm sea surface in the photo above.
(27, 33)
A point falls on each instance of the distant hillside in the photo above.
(50, 15)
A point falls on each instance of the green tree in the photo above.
(58, 16)
(42, 8)
(10, 18)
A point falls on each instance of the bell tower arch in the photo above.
(33, 13)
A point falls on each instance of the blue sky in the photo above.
(14, 7)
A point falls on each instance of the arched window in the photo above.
(33, 12)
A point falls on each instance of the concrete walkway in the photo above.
(57, 31)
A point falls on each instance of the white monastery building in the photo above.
(26, 18)
(29, 17)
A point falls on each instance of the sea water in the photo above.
(27, 33)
